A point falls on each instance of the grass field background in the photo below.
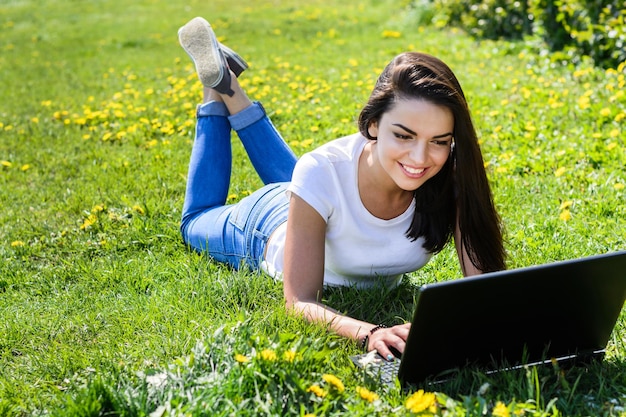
(98, 295)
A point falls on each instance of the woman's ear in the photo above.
(372, 129)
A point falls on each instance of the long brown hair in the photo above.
(460, 191)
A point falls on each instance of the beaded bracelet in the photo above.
(366, 339)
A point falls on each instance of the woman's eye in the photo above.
(401, 136)
(442, 142)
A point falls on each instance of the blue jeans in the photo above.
(235, 234)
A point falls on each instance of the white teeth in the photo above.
(413, 170)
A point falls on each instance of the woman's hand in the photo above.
(388, 340)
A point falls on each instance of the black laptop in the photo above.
(501, 320)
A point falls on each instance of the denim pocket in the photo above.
(243, 212)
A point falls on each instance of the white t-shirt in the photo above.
(361, 250)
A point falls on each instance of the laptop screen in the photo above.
(515, 317)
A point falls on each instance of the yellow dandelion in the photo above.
(391, 34)
(584, 102)
(241, 358)
(89, 221)
(421, 401)
(306, 143)
(309, 415)
(289, 355)
(139, 209)
(334, 382)
(35, 120)
(611, 146)
(605, 112)
(6, 164)
(25, 167)
(366, 394)
(97, 208)
(500, 410)
(268, 355)
(317, 390)
(619, 186)
(565, 215)
(566, 204)
(559, 172)
(17, 243)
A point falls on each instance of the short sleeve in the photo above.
(313, 181)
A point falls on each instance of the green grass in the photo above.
(96, 289)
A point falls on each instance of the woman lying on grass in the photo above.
(358, 211)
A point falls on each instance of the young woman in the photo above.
(359, 211)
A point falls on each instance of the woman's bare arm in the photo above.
(467, 266)
(303, 277)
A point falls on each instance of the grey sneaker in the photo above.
(199, 41)
(235, 62)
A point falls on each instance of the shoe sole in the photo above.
(199, 41)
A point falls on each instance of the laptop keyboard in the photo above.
(377, 367)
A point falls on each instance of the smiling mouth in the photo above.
(413, 171)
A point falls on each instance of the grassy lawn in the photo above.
(102, 308)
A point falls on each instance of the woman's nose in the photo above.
(419, 152)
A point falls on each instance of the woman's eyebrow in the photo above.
(401, 126)
(405, 128)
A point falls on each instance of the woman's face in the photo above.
(414, 140)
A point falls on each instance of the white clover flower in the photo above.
(369, 358)
(157, 380)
